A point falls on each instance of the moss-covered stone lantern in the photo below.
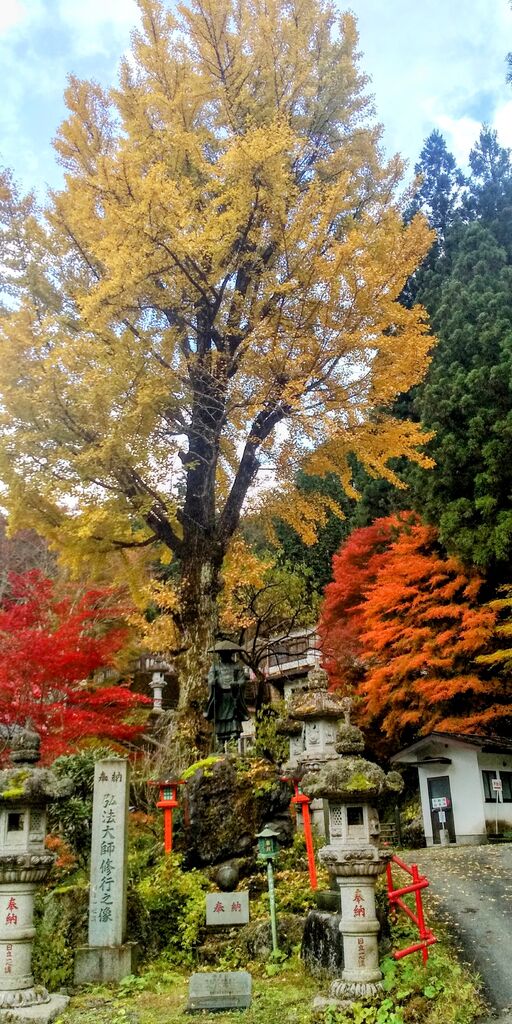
(318, 711)
(25, 790)
(352, 787)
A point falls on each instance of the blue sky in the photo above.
(433, 63)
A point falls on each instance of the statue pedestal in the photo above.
(103, 964)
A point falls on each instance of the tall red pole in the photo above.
(167, 829)
(302, 802)
(308, 836)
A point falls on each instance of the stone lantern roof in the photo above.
(315, 700)
(288, 727)
(351, 778)
(25, 782)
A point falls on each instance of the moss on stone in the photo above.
(14, 787)
(205, 765)
(32, 785)
(351, 776)
(229, 805)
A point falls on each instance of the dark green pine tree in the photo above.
(442, 187)
(467, 400)
(489, 197)
(441, 198)
(466, 286)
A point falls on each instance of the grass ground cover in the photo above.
(160, 997)
(445, 992)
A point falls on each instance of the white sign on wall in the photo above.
(496, 785)
(439, 802)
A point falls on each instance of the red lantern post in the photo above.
(167, 801)
(302, 802)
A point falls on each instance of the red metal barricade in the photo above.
(419, 882)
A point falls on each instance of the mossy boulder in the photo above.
(228, 802)
(255, 938)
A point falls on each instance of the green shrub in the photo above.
(171, 909)
(268, 743)
(61, 925)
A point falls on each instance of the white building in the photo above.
(465, 785)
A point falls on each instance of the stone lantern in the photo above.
(158, 681)
(352, 787)
(24, 862)
(319, 712)
(294, 732)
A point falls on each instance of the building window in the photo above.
(506, 784)
(490, 795)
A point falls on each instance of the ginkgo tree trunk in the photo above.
(214, 288)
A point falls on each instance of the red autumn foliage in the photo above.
(51, 643)
(341, 623)
(66, 861)
(416, 625)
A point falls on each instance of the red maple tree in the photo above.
(52, 642)
(415, 619)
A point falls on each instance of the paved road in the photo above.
(471, 886)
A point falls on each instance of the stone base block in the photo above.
(42, 1013)
(104, 963)
(323, 1003)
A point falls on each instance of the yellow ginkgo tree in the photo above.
(214, 288)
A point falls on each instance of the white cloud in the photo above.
(18, 16)
(460, 134)
(503, 123)
(436, 65)
(89, 22)
(12, 13)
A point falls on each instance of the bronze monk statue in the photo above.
(226, 706)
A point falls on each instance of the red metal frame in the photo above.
(302, 802)
(419, 882)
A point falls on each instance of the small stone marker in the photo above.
(227, 908)
(219, 990)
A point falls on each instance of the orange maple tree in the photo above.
(355, 567)
(416, 623)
